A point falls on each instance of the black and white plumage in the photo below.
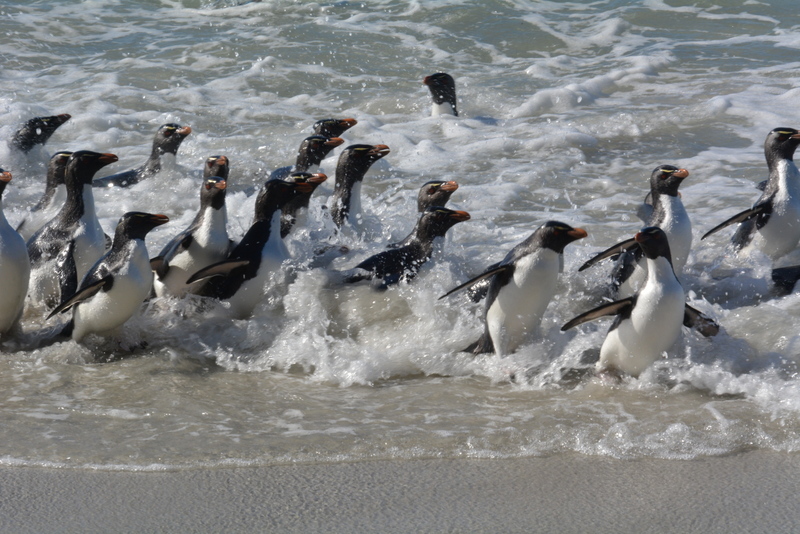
(55, 194)
(333, 127)
(402, 264)
(243, 277)
(522, 285)
(37, 131)
(64, 249)
(433, 193)
(443, 92)
(648, 323)
(297, 207)
(354, 162)
(15, 267)
(113, 290)
(310, 154)
(218, 166)
(662, 208)
(203, 243)
(773, 223)
(167, 140)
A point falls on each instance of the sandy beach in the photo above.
(752, 492)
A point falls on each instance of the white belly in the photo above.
(781, 234)
(515, 314)
(15, 268)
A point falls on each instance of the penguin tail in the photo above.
(482, 346)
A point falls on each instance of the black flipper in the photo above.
(704, 324)
(67, 271)
(744, 216)
(159, 265)
(83, 294)
(222, 268)
(614, 308)
(761, 186)
(619, 248)
(785, 278)
(475, 280)
(482, 346)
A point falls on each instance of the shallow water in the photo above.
(565, 110)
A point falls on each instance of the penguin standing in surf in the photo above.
(310, 154)
(115, 287)
(433, 193)
(15, 267)
(64, 249)
(443, 92)
(773, 223)
(662, 208)
(296, 209)
(333, 127)
(37, 131)
(522, 285)
(648, 323)
(353, 164)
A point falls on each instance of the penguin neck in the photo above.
(660, 270)
(75, 205)
(347, 197)
(786, 177)
(87, 200)
(664, 207)
(445, 108)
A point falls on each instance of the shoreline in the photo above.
(753, 491)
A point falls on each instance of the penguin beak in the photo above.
(159, 219)
(378, 151)
(317, 178)
(64, 117)
(184, 131)
(348, 122)
(577, 233)
(641, 237)
(108, 158)
(222, 160)
(221, 185)
(304, 187)
(795, 136)
(449, 186)
(334, 141)
(681, 173)
(5, 176)
(460, 216)
(426, 80)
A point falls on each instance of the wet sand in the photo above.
(752, 492)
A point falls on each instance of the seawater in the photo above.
(566, 107)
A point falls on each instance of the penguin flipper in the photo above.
(475, 280)
(67, 270)
(85, 293)
(614, 308)
(762, 186)
(744, 216)
(785, 278)
(619, 248)
(123, 179)
(482, 346)
(645, 210)
(696, 319)
(222, 268)
(160, 266)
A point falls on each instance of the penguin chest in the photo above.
(518, 307)
(15, 267)
(781, 234)
(269, 276)
(678, 227)
(90, 244)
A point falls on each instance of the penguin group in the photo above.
(59, 258)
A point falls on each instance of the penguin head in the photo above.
(38, 130)
(307, 178)
(557, 235)
(136, 224)
(666, 179)
(5, 177)
(315, 148)
(437, 220)
(213, 192)
(83, 164)
(57, 167)
(169, 137)
(355, 160)
(654, 243)
(435, 193)
(443, 88)
(781, 144)
(275, 195)
(333, 127)
(216, 166)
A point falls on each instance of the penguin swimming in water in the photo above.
(14, 266)
(167, 140)
(662, 208)
(115, 287)
(522, 285)
(243, 277)
(297, 207)
(354, 162)
(433, 193)
(37, 131)
(203, 243)
(402, 264)
(310, 154)
(55, 194)
(443, 92)
(648, 323)
(333, 127)
(64, 249)
(773, 223)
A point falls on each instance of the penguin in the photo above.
(55, 194)
(64, 249)
(647, 323)
(167, 140)
(402, 264)
(37, 131)
(433, 193)
(663, 208)
(443, 92)
(773, 223)
(14, 266)
(243, 277)
(354, 161)
(298, 205)
(216, 166)
(333, 127)
(203, 243)
(522, 285)
(310, 154)
(113, 290)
